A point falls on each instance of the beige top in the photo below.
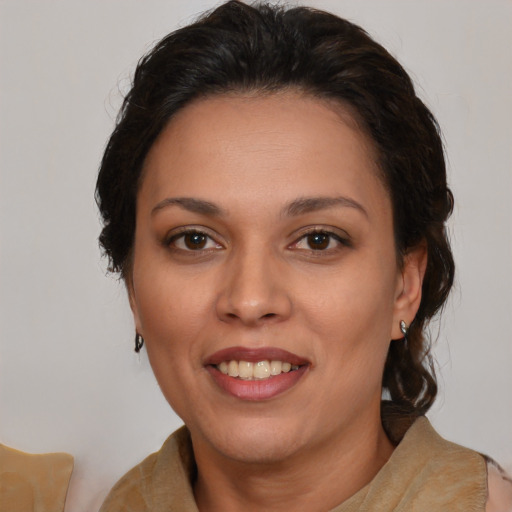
(424, 473)
(35, 483)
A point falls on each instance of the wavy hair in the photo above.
(265, 48)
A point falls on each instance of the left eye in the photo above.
(193, 241)
(318, 241)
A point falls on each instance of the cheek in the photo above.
(173, 316)
(172, 310)
(352, 316)
(356, 295)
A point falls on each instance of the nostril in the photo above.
(251, 306)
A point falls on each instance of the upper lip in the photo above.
(254, 355)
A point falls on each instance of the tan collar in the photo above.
(425, 473)
(33, 481)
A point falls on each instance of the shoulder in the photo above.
(499, 485)
(472, 470)
(33, 481)
(130, 492)
(162, 477)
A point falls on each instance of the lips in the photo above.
(256, 374)
(255, 355)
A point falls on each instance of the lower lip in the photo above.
(257, 389)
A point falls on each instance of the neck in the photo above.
(323, 476)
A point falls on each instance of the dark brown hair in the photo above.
(264, 48)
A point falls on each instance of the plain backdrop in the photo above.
(69, 379)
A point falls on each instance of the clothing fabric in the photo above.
(33, 482)
(425, 473)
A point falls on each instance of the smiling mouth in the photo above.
(260, 370)
(256, 374)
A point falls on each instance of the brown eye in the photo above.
(195, 241)
(321, 241)
(318, 241)
(192, 240)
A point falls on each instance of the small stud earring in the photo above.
(139, 342)
(403, 328)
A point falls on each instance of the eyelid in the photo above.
(340, 235)
(181, 231)
(336, 232)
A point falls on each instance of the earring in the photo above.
(404, 329)
(139, 342)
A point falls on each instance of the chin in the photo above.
(258, 450)
(255, 444)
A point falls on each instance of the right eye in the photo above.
(192, 240)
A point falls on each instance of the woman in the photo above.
(274, 196)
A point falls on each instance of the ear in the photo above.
(130, 290)
(408, 290)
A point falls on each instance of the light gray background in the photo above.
(69, 380)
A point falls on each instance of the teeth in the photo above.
(275, 367)
(261, 370)
(232, 368)
(245, 370)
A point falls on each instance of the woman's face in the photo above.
(264, 240)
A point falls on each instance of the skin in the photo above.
(258, 283)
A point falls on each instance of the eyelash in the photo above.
(330, 236)
(171, 241)
(342, 241)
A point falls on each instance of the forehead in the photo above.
(262, 146)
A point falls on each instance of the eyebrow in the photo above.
(191, 204)
(297, 207)
(312, 204)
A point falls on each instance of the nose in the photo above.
(254, 290)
